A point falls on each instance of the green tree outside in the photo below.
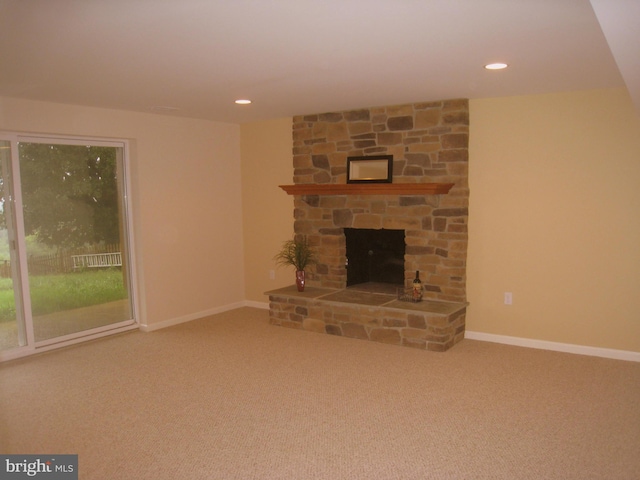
(70, 194)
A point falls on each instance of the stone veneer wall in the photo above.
(429, 143)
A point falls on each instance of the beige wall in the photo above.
(268, 211)
(555, 218)
(187, 202)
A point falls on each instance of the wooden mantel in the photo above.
(368, 189)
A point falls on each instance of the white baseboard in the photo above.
(261, 305)
(555, 346)
(193, 316)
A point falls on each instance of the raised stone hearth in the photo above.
(380, 317)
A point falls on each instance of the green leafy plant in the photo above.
(296, 252)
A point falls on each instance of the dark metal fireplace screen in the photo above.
(375, 256)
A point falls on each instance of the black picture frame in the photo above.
(370, 169)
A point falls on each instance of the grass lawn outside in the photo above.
(55, 293)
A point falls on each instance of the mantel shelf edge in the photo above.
(368, 189)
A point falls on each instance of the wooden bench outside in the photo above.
(97, 260)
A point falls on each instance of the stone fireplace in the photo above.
(429, 145)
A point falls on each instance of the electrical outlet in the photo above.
(508, 298)
(272, 274)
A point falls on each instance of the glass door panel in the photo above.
(12, 327)
(75, 236)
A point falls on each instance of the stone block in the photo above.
(319, 148)
(400, 223)
(367, 221)
(358, 128)
(321, 177)
(320, 161)
(424, 105)
(361, 115)
(337, 131)
(316, 311)
(419, 159)
(389, 138)
(455, 104)
(302, 134)
(455, 140)
(375, 151)
(417, 321)
(333, 330)
(428, 118)
(412, 171)
(397, 110)
(415, 333)
(460, 155)
(302, 161)
(290, 324)
(314, 325)
(440, 224)
(343, 217)
(436, 347)
(418, 250)
(426, 147)
(414, 343)
(364, 143)
(331, 117)
(394, 323)
(384, 335)
(451, 212)
(293, 317)
(364, 136)
(338, 159)
(400, 123)
(342, 317)
(456, 118)
(301, 150)
(354, 330)
(378, 207)
(410, 201)
(457, 228)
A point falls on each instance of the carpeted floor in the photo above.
(231, 397)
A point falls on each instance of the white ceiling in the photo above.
(308, 56)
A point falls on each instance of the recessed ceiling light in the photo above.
(496, 66)
(243, 101)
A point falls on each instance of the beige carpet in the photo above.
(231, 397)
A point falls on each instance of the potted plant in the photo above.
(298, 253)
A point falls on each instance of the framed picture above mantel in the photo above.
(370, 169)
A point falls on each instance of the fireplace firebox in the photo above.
(375, 256)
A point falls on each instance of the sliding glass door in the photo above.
(64, 220)
(12, 326)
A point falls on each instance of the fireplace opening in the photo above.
(375, 256)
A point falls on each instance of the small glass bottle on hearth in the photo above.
(417, 288)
